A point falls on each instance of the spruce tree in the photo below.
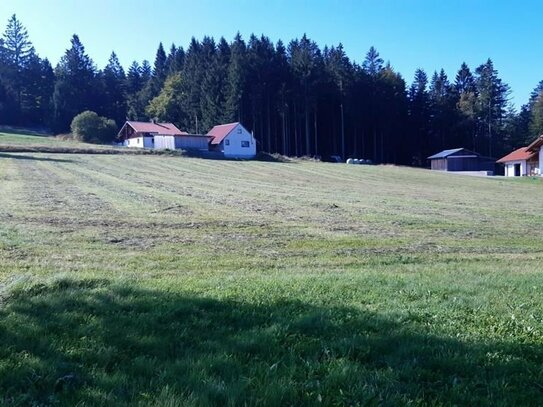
(192, 79)
(235, 82)
(492, 102)
(17, 52)
(75, 89)
(419, 116)
(213, 102)
(114, 79)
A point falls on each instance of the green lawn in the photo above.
(36, 140)
(168, 281)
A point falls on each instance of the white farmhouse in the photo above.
(233, 140)
(160, 136)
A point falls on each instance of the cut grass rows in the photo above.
(173, 281)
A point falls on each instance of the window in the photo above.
(226, 142)
(139, 140)
(245, 143)
(239, 131)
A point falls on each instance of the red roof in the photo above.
(220, 132)
(518, 155)
(160, 128)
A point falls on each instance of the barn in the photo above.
(232, 140)
(461, 160)
(160, 136)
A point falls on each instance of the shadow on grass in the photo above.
(32, 157)
(96, 343)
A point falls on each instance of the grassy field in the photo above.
(7, 138)
(167, 281)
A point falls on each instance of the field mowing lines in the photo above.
(212, 194)
(133, 196)
(44, 193)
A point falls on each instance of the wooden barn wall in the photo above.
(439, 164)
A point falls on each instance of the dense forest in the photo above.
(297, 98)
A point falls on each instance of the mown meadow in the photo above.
(167, 281)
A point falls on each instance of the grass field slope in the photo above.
(168, 281)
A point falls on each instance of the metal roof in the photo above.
(445, 153)
(220, 132)
(168, 129)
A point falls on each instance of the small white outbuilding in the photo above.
(520, 162)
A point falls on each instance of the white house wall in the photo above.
(541, 161)
(136, 142)
(140, 142)
(510, 168)
(164, 142)
(232, 143)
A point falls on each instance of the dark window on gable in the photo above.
(245, 143)
(227, 142)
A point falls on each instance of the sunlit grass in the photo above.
(149, 280)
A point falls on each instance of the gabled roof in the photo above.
(536, 145)
(159, 128)
(446, 153)
(220, 132)
(520, 154)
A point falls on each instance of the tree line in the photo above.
(297, 98)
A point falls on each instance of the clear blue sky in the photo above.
(409, 33)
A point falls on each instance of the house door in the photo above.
(517, 170)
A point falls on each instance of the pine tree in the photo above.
(75, 89)
(235, 83)
(443, 102)
(17, 53)
(340, 70)
(373, 64)
(372, 67)
(419, 115)
(175, 60)
(192, 78)
(114, 79)
(213, 102)
(133, 79)
(284, 83)
(17, 46)
(466, 124)
(39, 84)
(536, 116)
(307, 64)
(492, 102)
(160, 69)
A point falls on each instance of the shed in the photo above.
(461, 159)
